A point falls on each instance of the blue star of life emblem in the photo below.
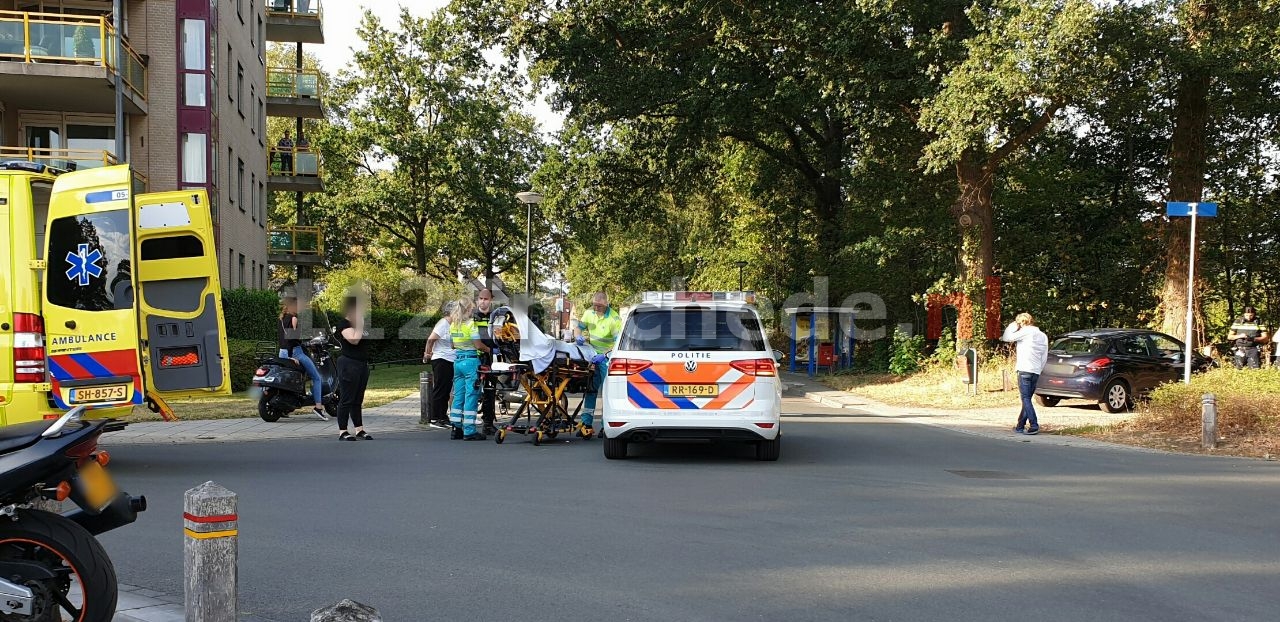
(84, 264)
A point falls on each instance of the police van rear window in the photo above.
(691, 329)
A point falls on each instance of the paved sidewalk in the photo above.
(137, 604)
(399, 416)
(990, 422)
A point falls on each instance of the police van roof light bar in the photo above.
(686, 296)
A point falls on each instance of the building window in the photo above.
(231, 77)
(262, 276)
(240, 10)
(253, 196)
(193, 90)
(194, 149)
(262, 121)
(231, 256)
(240, 89)
(253, 96)
(194, 57)
(242, 281)
(253, 271)
(262, 205)
(240, 183)
(231, 156)
(262, 36)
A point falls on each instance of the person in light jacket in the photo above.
(1033, 351)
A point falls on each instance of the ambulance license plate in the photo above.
(97, 486)
(693, 390)
(91, 395)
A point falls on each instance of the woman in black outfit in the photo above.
(353, 370)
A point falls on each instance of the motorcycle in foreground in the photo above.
(283, 382)
(52, 569)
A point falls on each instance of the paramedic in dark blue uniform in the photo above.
(484, 306)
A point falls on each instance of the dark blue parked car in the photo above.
(1111, 366)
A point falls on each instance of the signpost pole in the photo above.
(1191, 292)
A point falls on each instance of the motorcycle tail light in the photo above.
(102, 457)
(83, 451)
(62, 491)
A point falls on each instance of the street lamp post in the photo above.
(741, 265)
(529, 199)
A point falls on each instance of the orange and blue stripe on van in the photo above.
(652, 387)
(112, 367)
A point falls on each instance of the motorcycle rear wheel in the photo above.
(85, 590)
(266, 411)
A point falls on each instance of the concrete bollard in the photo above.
(346, 611)
(1209, 421)
(210, 548)
(424, 397)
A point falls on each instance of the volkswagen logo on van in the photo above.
(691, 366)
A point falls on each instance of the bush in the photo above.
(251, 314)
(905, 357)
(244, 360)
(1248, 403)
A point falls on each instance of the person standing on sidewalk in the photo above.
(484, 306)
(467, 347)
(1246, 335)
(353, 370)
(600, 326)
(440, 355)
(1033, 351)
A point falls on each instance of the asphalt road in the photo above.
(865, 519)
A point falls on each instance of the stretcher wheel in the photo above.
(500, 436)
(537, 438)
(553, 432)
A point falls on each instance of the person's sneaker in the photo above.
(346, 437)
(1020, 430)
(438, 424)
(1031, 431)
(364, 436)
(474, 437)
(321, 414)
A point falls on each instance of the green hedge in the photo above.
(251, 314)
(244, 360)
(403, 335)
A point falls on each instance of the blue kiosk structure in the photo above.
(830, 348)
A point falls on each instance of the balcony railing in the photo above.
(295, 8)
(293, 161)
(295, 240)
(69, 159)
(75, 39)
(290, 82)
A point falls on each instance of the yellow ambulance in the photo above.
(108, 298)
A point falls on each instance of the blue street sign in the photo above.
(1181, 208)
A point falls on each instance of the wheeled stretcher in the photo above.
(544, 374)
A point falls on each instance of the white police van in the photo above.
(693, 367)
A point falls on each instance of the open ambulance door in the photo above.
(91, 327)
(183, 341)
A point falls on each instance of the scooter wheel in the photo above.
(268, 414)
(500, 436)
(537, 438)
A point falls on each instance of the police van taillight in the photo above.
(756, 367)
(28, 348)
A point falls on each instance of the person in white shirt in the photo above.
(441, 355)
(1033, 351)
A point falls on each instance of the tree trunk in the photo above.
(975, 216)
(420, 249)
(1186, 183)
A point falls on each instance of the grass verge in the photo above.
(386, 385)
(936, 386)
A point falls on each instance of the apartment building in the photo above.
(194, 100)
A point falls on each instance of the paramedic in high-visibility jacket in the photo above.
(599, 326)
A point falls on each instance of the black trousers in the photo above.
(441, 385)
(487, 393)
(353, 379)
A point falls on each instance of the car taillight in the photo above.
(28, 348)
(756, 367)
(626, 367)
(1098, 364)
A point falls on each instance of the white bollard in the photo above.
(1209, 421)
(210, 547)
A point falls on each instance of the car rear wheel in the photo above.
(615, 449)
(1116, 397)
(1048, 401)
(768, 451)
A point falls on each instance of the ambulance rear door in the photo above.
(183, 340)
(89, 318)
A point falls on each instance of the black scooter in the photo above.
(283, 382)
(50, 565)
